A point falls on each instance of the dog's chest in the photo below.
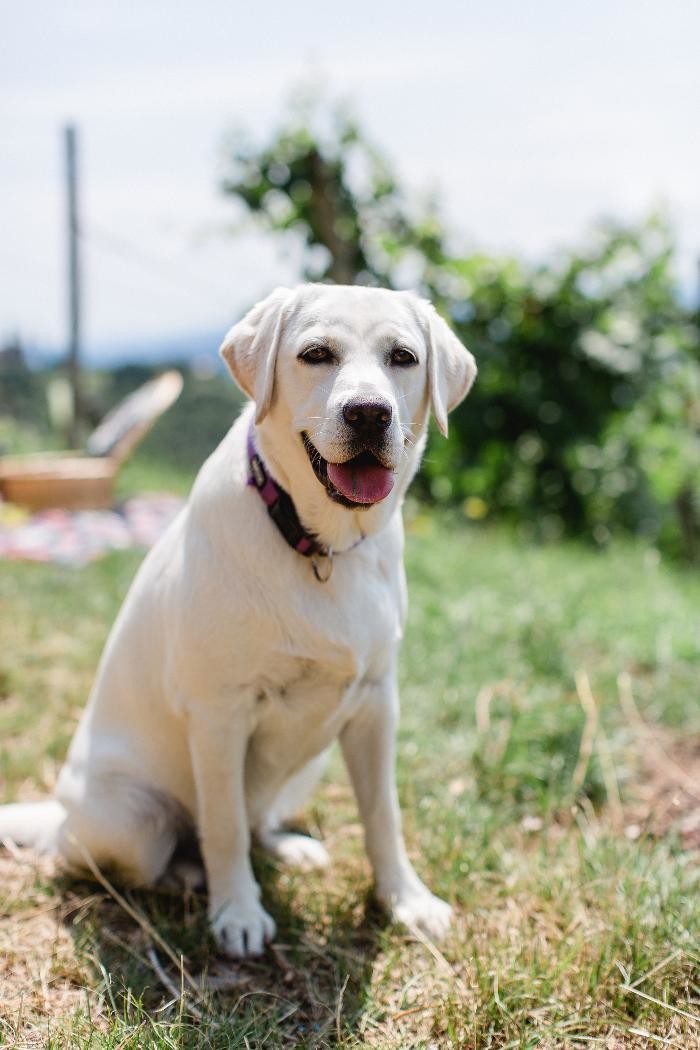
(299, 714)
(315, 669)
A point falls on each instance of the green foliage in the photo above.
(333, 188)
(586, 414)
(24, 418)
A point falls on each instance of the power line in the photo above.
(131, 279)
(176, 276)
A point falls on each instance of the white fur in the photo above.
(230, 668)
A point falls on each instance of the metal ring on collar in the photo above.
(323, 575)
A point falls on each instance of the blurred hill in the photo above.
(179, 442)
(200, 349)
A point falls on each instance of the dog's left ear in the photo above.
(250, 349)
(451, 367)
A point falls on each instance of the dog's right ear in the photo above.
(250, 349)
(451, 368)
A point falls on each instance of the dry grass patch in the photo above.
(542, 954)
(41, 977)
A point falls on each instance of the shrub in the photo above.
(586, 414)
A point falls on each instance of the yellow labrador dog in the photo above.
(266, 622)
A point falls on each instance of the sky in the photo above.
(529, 121)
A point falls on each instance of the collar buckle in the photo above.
(257, 471)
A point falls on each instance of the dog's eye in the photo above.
(316, 355)
(400, 355)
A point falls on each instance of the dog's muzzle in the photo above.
(358, 482)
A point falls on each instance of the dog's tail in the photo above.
(33, 824)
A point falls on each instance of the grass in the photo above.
(549, 771)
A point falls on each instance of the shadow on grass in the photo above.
(311, 988)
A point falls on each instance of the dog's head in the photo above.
(349, 373)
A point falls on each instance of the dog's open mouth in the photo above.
(359, 482)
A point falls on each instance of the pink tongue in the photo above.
(362, 484)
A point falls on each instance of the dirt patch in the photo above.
(40, 975)
(665, 798)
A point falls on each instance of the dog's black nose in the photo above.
(367, 417)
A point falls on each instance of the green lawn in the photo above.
(553, 803)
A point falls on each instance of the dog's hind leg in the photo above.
(289, 848)
(33, 824)
(121, 826)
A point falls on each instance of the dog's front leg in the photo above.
(368, 742)
(218, 738)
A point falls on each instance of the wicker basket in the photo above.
(73, 481)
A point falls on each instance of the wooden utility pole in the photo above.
(73, 230)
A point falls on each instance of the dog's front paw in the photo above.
(242, 930)
(419, 908)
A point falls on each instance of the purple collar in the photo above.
(283, 512)
(280, 506)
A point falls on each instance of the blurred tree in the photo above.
(22, 395)
(336, 191)
(586, 413)
(570, 355)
